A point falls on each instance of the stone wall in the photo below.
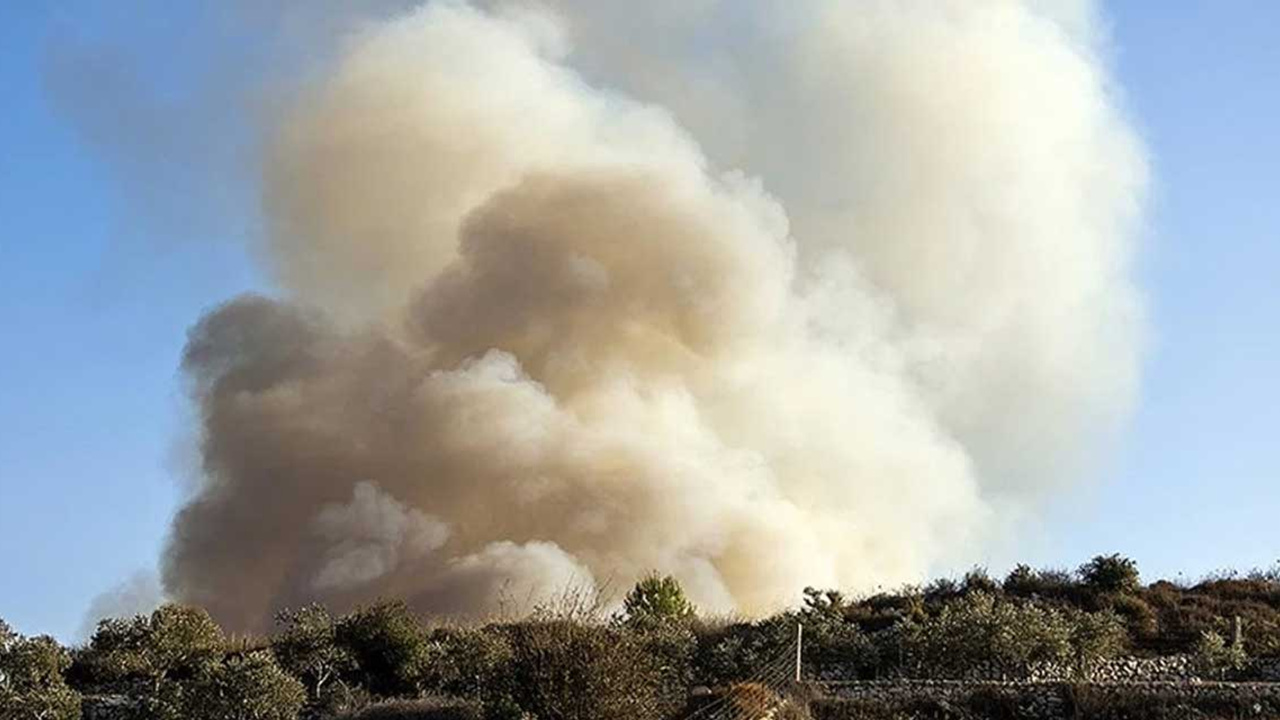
(107, 707)
(1173, 668)
(959, 700)
(1264, 669)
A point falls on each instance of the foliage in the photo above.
(978, 581)
(1111, 573)
(388, 646)
(1095, 636)
(174, 641)
(31, 679)
(1217, 658)
(671, 649)
(563, 670)
(656, 600)
(835, 647)
(737, 651)
(1022, 580)
(470, 663)
(307, 647)
(244, 687)
(176, 664)
(980, 628)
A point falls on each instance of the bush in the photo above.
(388, 647)
(835, 647)
(978, 630)
(470, 663)
(1111, 574)
(978, 581)
(141, 654)
(244, 687)
(1095, 636)
(656, 600)
(736, 652)
(1022, 581)
(1216, 658)
(671, 648)
(563, 670)
(31, 680)
(307, 648)
(1139, 617)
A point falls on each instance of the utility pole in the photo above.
(799, 645)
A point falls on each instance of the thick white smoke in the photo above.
(760, 294)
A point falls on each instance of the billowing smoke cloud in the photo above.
(760, 294)
(138, 594)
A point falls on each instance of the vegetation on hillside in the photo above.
(382, 661)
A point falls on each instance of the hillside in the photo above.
(1033, 634)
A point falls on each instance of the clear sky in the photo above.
(97, 292)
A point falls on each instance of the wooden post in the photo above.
(799, 645)
(1237, 633)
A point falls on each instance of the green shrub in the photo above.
(572, 671)
(656, 600)
(388, 646)
(470, 663)
(142, 653)
(978, 581)
(671, 648)
(307, 648)
(31, 679)
(981, 629)
(835, 647)
(244, 687)
(1022, 581)
(1139, 617)
(737, 651)
(1111, 574)
(1216, 658)
(1095, 636)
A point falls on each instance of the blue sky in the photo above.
(97, 292)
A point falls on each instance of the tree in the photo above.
(656, 600)
(32, 686)
(308, 648)
(1022, 580)
(564, 670)
(245, 687)
(1096, 636)
(978, 580)
(151, 659)
(181, 637)
(388, 646)
(978, 629)
(835, 647)
(1111, 574)
(1215, 657)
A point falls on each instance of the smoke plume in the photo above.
(760, 294)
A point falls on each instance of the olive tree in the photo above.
(307, 647)
(174, 640)
(388, 646)
(32, 686)
(978, 629)
(244, 687)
